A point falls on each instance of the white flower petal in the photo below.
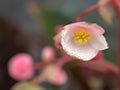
(84, 52)
(99, 42)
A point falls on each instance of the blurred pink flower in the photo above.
(48, 54)
(118, 2)
(83, 40)
(20, 66)
(55, 75)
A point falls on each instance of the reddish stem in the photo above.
(117, 10)
(39, 65)
(101, 65)
(90, 9)
(60, 62)
(104, 63)
(38, 79)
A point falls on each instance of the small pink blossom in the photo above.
(48, 54)
(20, 66)
(83, 40)
(55, 75)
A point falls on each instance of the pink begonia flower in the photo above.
(20, 66)
(48, 54)
(83, 40)
(55, 75)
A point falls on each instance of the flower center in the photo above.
(82, 36)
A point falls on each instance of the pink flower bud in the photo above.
(59, 28)
(20, 66)
(57, 40)
(55, 75)
(48, 54)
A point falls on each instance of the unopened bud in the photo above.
(55, 75)
(59, 28)
(48, 54)
(20, 66)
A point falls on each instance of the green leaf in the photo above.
(26, 86)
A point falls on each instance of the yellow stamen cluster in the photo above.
(82, 36)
